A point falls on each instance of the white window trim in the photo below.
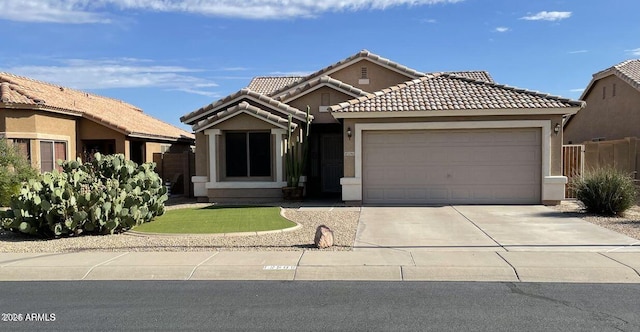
(552, 186)
(213, 182)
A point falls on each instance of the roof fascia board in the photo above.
(496, 112)
(209, 125)
(344, 65)
(193, 120)
(318, 87)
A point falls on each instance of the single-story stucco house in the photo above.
(383, 133)
(49, 122)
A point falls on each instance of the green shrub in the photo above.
(107, 195)
(606, 191)
(14, 170)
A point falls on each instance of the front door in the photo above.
(331, 162)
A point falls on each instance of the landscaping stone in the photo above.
(324, 237)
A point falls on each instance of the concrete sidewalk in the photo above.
(382, 264)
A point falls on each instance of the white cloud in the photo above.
(547, 16)
(96, 11)
(290, 73)
(634, 52)
(118, 73)
(580, 90)
(502, 29)
(429, 20)
(578, 52)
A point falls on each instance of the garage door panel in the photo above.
(456, 166)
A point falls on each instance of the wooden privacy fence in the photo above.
(572, 165)
(176, 169)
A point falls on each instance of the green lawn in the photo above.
(217, 219)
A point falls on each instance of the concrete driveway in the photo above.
(482, 227)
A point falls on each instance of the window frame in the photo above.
(53, 153)
(247, 141)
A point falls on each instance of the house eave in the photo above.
(457, 113)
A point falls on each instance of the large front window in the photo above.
(50, 151)
(248, 154)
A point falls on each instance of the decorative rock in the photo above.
(324, 237)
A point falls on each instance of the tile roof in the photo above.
(319, 81)
(628, 71)
(478, 75)
(364, 54)
(29, 93)
(268, 84)
(246, 107)
(199, 114)
(440, 92)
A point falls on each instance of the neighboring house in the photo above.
(383, 133)
(50, 122)
(613, 106)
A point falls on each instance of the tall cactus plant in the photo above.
(297, 151)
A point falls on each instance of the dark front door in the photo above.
(331, 162)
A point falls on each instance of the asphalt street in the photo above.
(318, 306)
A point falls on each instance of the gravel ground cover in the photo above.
(628, 224)
(343, 221)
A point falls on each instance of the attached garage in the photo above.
(481, 166)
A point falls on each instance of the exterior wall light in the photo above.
(349, 134)
(557, 128)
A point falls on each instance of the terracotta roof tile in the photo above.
(442, 92)
(243, 106)
(268, 84)
(318, 81)
(23, 91)
(478, 75)
(199, 114)
(628, 71)
(364, 54)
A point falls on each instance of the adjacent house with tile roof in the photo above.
(613, 106)
(50, 122)
(383, 133)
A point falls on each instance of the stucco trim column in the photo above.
(212, 134)
(279, 153)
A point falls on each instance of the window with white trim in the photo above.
(248, 154)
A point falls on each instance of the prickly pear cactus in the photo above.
(107, 195)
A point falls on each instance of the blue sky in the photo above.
(171, 57)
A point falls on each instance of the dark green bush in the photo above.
(14, 170)
(108, 195)
(606, 191)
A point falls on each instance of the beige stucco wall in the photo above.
(38, 125)
(556, 140)
(313, 99)
(90, 130)
(202, 154)
(611, 117)
(379, 77)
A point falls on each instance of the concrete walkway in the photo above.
(392, 265)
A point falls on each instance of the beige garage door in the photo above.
(493, 166)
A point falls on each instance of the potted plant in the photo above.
(296, 159)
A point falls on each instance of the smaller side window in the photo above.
(364, 74)
(613, 93)
(325, 99)
(604, 92)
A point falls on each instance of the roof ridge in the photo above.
(384, 91)
(517, 89)
(63, 88)
(361, 54)
(320, 80)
